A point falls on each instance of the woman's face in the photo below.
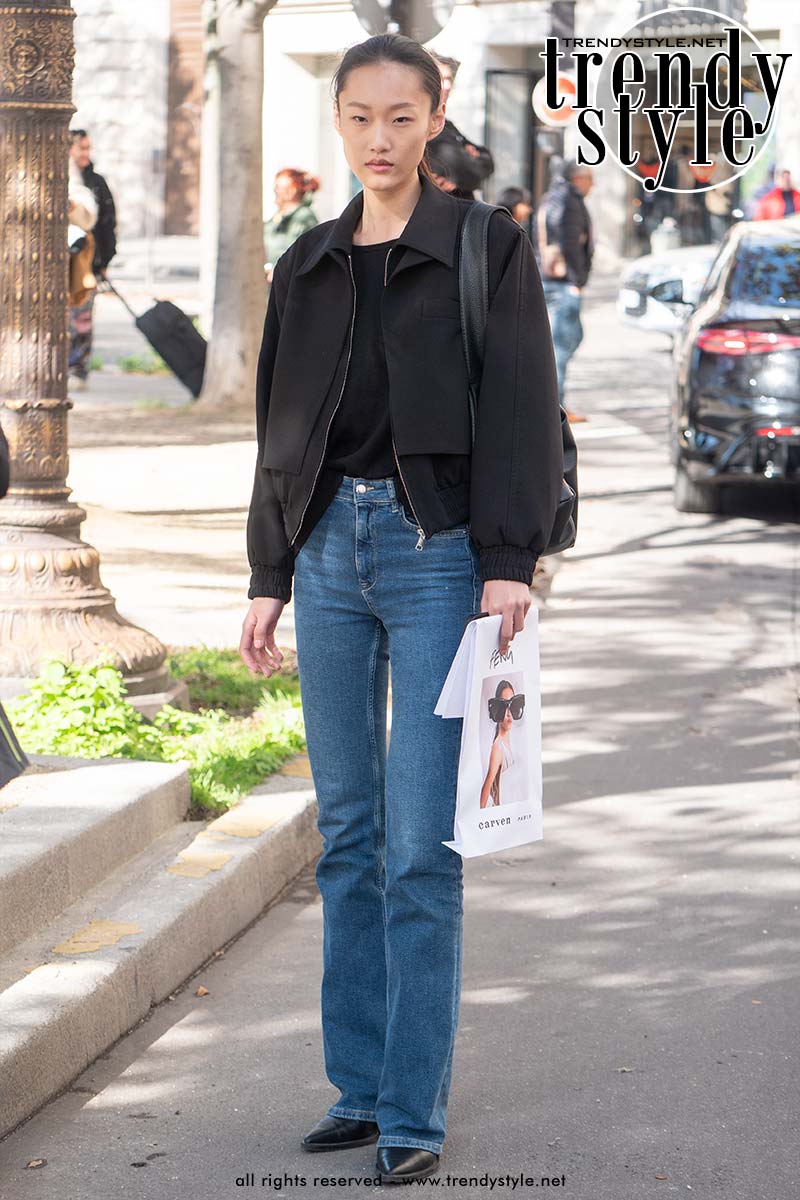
(385, 113)
(507, 720)
(522, 211)
(285, 190)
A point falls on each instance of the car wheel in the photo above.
(692, 497)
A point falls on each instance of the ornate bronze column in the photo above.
(52, 601)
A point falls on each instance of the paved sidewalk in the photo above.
(629, 1014)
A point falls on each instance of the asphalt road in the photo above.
(630, 1005)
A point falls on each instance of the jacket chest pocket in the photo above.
(428, 375)
(441, 306)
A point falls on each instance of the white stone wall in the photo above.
(120, 93)
(301, 53)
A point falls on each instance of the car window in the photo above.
(715, 270)
(767, 271)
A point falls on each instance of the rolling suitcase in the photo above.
(172, 335)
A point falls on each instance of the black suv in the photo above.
(736, 385)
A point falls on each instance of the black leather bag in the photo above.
(473, 287)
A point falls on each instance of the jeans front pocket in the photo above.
(454, 531)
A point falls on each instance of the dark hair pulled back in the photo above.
(393, 48)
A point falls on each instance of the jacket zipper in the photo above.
(422, 535)
(336, 409)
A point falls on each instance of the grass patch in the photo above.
(151, 402)
(219, 679)
(239, 729)
(143, 364)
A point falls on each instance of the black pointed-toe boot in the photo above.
(399, 1164)
(340, 1133)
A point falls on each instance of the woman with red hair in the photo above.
(293, 214)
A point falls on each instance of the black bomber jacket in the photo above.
(506, 486)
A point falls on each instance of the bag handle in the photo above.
(473, 293)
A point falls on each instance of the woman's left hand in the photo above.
(510, 598)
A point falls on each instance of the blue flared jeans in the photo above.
(366, 599)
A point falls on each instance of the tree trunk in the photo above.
(209, 170)
(236, 48)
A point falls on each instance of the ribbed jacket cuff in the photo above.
(270, 581)
(507, 562)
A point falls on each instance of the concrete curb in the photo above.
(65, 831)
(78, 986)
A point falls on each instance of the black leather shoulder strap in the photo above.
(473, 292)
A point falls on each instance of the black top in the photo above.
(360, 438)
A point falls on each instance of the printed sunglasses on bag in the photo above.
(498, 706)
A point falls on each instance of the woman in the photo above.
(369, 493)
(501, 756)
(292, 216)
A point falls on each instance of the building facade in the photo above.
(138, 89)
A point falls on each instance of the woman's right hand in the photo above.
(257, 648)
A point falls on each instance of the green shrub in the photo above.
(82, 711)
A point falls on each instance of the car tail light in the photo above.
(728, 340)
(778, 431)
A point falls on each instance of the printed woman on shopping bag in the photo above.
(501, 755)
(369, 493)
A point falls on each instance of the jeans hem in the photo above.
(355, 1114)
(413, 1143)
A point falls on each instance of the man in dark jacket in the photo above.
(567, 261)
(462, 163)
(105, 237)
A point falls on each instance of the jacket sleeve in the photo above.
(517, 458)
(105, 231)
(271, 559)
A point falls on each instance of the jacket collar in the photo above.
(431, 229)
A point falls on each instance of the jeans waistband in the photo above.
(369, 491)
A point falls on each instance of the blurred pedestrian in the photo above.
(293, 214)
(566, 249)
(517, 201)
(82, 217)
(470, 164)
(719, 201)
(104, 232)
(781, 201)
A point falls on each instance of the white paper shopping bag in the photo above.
(499, 798)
